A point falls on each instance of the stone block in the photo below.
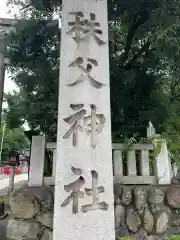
(140, 235)
(46, 219)
(119, 213)
(126, 197)
(173, 196)
(47, 235)
(26, 203)
(22, 205)
(121, 232)
(22, 230)
(148, 221)
(140, 196)
(162, 223)
(133, 220)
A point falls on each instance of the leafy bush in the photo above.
(175, 237)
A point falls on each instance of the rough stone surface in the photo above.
(47, 235)
(155, 200)
(153, 237)
(173, 196)
(149, 213)
(148, 221)
(140, 196)
(176, 179)
(32, 209)
(22, 230)
(46, 219)
(22, 205)
(119, 213)
(155, 196)
(117, 192)
(178, 174)
(140, 235)
(134, 216)
(45, 196)
(155, 208)
(133, 220)
(126, 198)
(162, 223)
(121, 232)
(175, 221)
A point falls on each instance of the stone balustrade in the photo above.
(131, 165)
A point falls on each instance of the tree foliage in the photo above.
(12, 139)
(144, 66)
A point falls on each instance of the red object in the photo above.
(7, 169)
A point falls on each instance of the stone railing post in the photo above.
(162, 160)
(118, 163)
(54, 164)
(36, 171)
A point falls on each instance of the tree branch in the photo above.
(139, 20)
(137, 55)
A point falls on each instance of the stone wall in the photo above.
(32, 214)
(145, 212)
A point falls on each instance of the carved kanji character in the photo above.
(94, 124)
(94, 193)
(77, 27)
(74, 120)
(82, 28)
(75, 188)
(92, 28)
(86, 67)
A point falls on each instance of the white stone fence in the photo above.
(132, 165)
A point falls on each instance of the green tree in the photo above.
(12, 139)
(144, 44)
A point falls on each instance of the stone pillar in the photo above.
(151, 131)
(163, 162)
(164, 169)
(36, 172)
(84, 181)
(131, 159)
(2, 73)
(118, 163)
(174, 169)
(144, 163)
(54, 163)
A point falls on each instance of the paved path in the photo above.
(3, 176)
(19, 181)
